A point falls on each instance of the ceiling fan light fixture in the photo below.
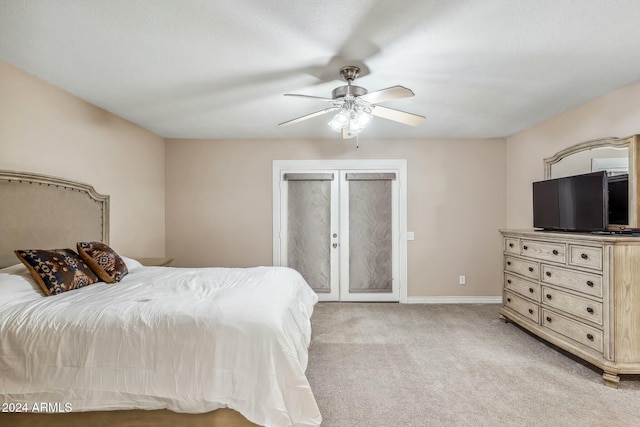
(354, 129)
(363, 119)
(353, 117)
(340, 120)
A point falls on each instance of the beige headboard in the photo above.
(44, 212)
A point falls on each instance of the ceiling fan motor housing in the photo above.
(342, 91)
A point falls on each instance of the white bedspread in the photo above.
(189, 340)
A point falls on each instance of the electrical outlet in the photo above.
(462, 280)
(410, 235)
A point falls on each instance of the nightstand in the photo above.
(156, 262)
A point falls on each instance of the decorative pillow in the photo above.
(57, 270)
(103, 260)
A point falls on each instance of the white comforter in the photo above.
(190, 340)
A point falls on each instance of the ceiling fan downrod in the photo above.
(349, 74)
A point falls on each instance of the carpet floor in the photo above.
(378, 364)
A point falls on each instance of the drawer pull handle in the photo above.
(508, 262)
(590, 283)
(584, 256)
(548, 296)
(548, 319)
(525, 247)
(548, 274)
(530, 311)
(589, 310)
(590, 337)
(509, 281)
(555, 252)
(508, 299)
(531, 290)
(531, 269)
(510, 245)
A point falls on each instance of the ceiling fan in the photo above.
(356, 106)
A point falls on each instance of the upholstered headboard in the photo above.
(44, 212)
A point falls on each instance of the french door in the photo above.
(341, 227)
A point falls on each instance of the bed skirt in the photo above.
(132, 418)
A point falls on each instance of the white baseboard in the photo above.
(455, 300)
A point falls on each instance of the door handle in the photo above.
(335, 245)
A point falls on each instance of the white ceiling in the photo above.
(219, 69)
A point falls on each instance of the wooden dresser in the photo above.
(578, 291)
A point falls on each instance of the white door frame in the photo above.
(279, 168)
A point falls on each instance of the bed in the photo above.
(163, 346)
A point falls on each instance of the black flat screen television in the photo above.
(573, 203)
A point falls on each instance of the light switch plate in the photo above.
(410, 235)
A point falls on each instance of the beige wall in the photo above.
(219, 204)
(46, 130)
(219, 197)
(616, 114)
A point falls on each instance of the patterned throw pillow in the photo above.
(103, 260)
(57, 270)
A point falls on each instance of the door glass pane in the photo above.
(370, 236)
(309, 232)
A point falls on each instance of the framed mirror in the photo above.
(618, 156)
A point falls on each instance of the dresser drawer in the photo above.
(511, 245)
(577, 331)
(521, 306)
(585, 256)
(590, 284)
(544, 251)
(572, 304)
(523, 287)
(523, 267)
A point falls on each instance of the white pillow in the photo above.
(14, 269)
(17, 283)
(131, 263)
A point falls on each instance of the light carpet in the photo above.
(379, 364)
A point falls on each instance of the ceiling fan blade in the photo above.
(317, 98)
(308, 116)
(397, 115)
(394, 92)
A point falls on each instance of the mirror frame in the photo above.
(631, 143)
